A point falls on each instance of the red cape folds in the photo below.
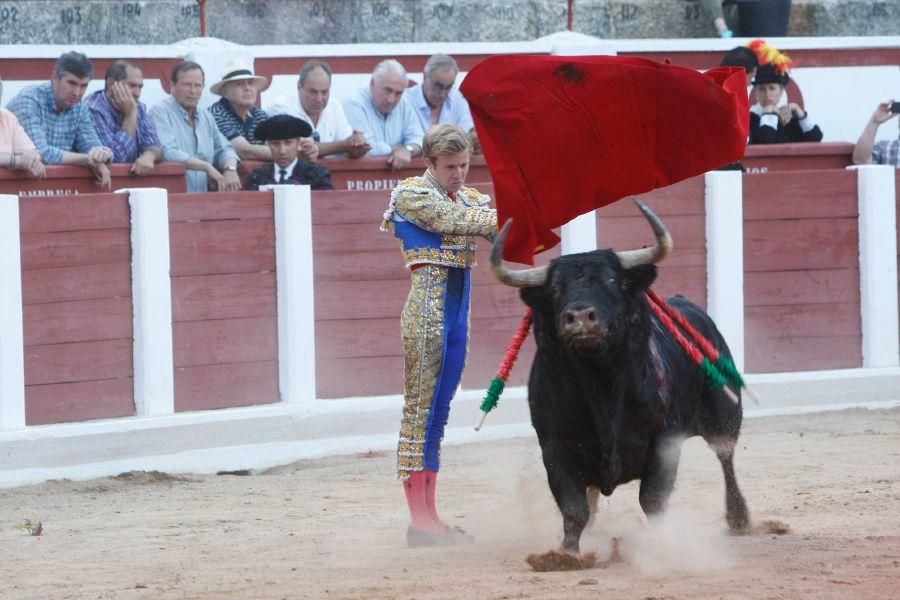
(563, 135)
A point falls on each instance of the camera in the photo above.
(895, 107)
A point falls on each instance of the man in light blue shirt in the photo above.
(435, 101)
(390, 125)
(190, 136)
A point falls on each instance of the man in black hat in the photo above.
(282, 134)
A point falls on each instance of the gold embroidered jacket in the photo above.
(434, 229)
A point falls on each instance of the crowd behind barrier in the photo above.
(816, 72)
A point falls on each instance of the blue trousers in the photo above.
(435, 328)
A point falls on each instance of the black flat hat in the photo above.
(769, 74)
(282, 127)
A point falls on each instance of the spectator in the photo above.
(885, 152)
(282, 134)
(390, 126)
(435, 101)
(742, 57)
(190, 136)
(17, 151)
(771, 123)
(236, 113)
(331, 130)
(121, 120)
(725, 16)
(58, 122)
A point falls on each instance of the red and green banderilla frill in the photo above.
(716, 368)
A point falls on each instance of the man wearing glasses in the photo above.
(435, 101)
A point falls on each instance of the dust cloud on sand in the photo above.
(335, 527)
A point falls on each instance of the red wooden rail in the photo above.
(360, 288)
(40, 69)
(803, 156)
(801, 291)
(77, 314)
(801, 271)
(67, 180)
(371, 173)
(681, 207)
(224, 328)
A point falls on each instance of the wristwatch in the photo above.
(231, 168)
(411, 148)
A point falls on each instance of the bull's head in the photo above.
(592, 296)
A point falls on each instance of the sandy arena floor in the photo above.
(335, 528)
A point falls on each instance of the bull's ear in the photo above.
(639, 278)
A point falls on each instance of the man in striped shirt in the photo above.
(122, 121)
(58, 122)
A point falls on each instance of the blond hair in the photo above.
(445, 139)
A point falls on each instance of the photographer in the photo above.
(885, 152)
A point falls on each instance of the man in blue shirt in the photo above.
(58, 122)
(435, 101)
(190, 136)
(390, 126)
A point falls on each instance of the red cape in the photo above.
(563, 135)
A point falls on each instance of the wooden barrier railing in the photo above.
(224, 331)
(31, 69)
(67, 180)
(801, 271)
(681, 207)
(804, 156)
(370, 173)
(360, 288)
(801, 292)
(77, 313)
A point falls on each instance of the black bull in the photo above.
(612, 394)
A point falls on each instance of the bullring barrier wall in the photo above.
(220, 337)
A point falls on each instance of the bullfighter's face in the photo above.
(450, 170)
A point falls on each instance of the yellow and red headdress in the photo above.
(774, 66)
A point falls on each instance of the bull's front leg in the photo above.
(569, 490)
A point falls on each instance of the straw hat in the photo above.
(236, 70)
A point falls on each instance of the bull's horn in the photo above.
(648, 256)
(525, 278)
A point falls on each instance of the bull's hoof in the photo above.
(556, 560)
(416, 538)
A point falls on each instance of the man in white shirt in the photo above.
(436, 101)
(389, 124)
(331, 130)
